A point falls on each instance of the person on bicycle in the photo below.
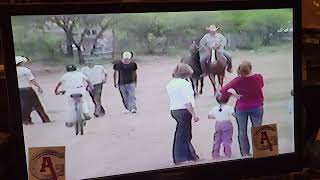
(74, 82)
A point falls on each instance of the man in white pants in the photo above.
(97, 75)
(74, 82)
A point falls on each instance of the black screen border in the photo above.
(236, 168)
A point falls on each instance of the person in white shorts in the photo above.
(74, 82)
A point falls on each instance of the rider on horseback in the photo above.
(213, 40)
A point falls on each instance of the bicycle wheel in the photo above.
(81, 127)
(78, 119)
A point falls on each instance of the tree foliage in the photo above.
(153, 32)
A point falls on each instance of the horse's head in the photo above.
(194, 48)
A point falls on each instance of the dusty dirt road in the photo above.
(123, 143)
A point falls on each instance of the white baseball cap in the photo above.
(127, 55)
(20, 59)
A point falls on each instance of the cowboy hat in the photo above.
(20, 59)
(127, 55)
(212, 28)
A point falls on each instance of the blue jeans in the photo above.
(183, 150)
(255, 115)
(128, 95)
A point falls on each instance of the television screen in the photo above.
(132, 92)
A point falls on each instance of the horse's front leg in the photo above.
(201, 85)
(221, 77)
(192, 84)
(213, 82)
(197, 87)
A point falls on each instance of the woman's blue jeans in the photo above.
(182, 148)
(256, 115)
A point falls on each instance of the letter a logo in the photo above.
(46, 163)
(265, 137)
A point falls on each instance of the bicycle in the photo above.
(79, 121)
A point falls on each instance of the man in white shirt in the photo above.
(213, 40)
(74, 82)
(28, 97)
(97, 75)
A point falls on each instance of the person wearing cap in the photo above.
(213, 40)
(97, 75)
(182, 104)
(28, 97)
(125, 78)
(74, 82)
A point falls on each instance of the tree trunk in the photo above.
(80, 55)
(266, 40)
(148, 44)
(98, 36)
(69, 41)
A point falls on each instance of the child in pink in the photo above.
(223, 128)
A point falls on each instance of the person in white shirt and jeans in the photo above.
(74, 82)
(182, 103)
(97, 75)
(28, 97)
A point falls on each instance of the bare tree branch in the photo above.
(100, 34)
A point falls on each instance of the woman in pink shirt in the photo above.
(249, 103)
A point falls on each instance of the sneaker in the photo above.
(126, 112)
(216, 157)
(133, 111)
(248, 155)
(99, 114)
(86, 116)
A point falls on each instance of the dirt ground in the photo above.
(124, 143)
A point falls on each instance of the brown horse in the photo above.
(216, 68)
(194, 61)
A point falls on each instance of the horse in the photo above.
(194, 61)
(217, 68)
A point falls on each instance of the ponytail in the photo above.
(220, 107)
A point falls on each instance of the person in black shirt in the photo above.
(125, 78)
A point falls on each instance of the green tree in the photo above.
(83, 23)
(265, 24)
(146, 28)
